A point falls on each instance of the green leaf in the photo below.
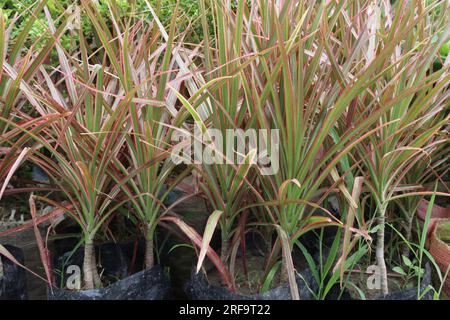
(361, 293)
(407, 262)
(270, 276)
(310, 260)
(399, 270)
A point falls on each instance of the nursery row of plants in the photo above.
(131, 111)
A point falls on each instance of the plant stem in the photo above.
(380, 251)
(149, 249)
(89, 265)
(97, 280)
(224, 249)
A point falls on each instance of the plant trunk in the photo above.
(149, 254)
(89, 265)
(97, 280)
(380, 253)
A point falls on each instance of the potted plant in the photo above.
(82, 154)
(278, 86)
(410, 131)
(17, 128)
(440, 250)
(151, 116)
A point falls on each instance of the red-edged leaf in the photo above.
(211, 225)
(10, 257)
(212, 255)
(52, 214)
(14, 167)
(43, 251)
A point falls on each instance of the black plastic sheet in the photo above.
(13, 281)
(198, 288)
(115, 262)
(149, 284)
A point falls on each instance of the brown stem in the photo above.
(380, 253)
